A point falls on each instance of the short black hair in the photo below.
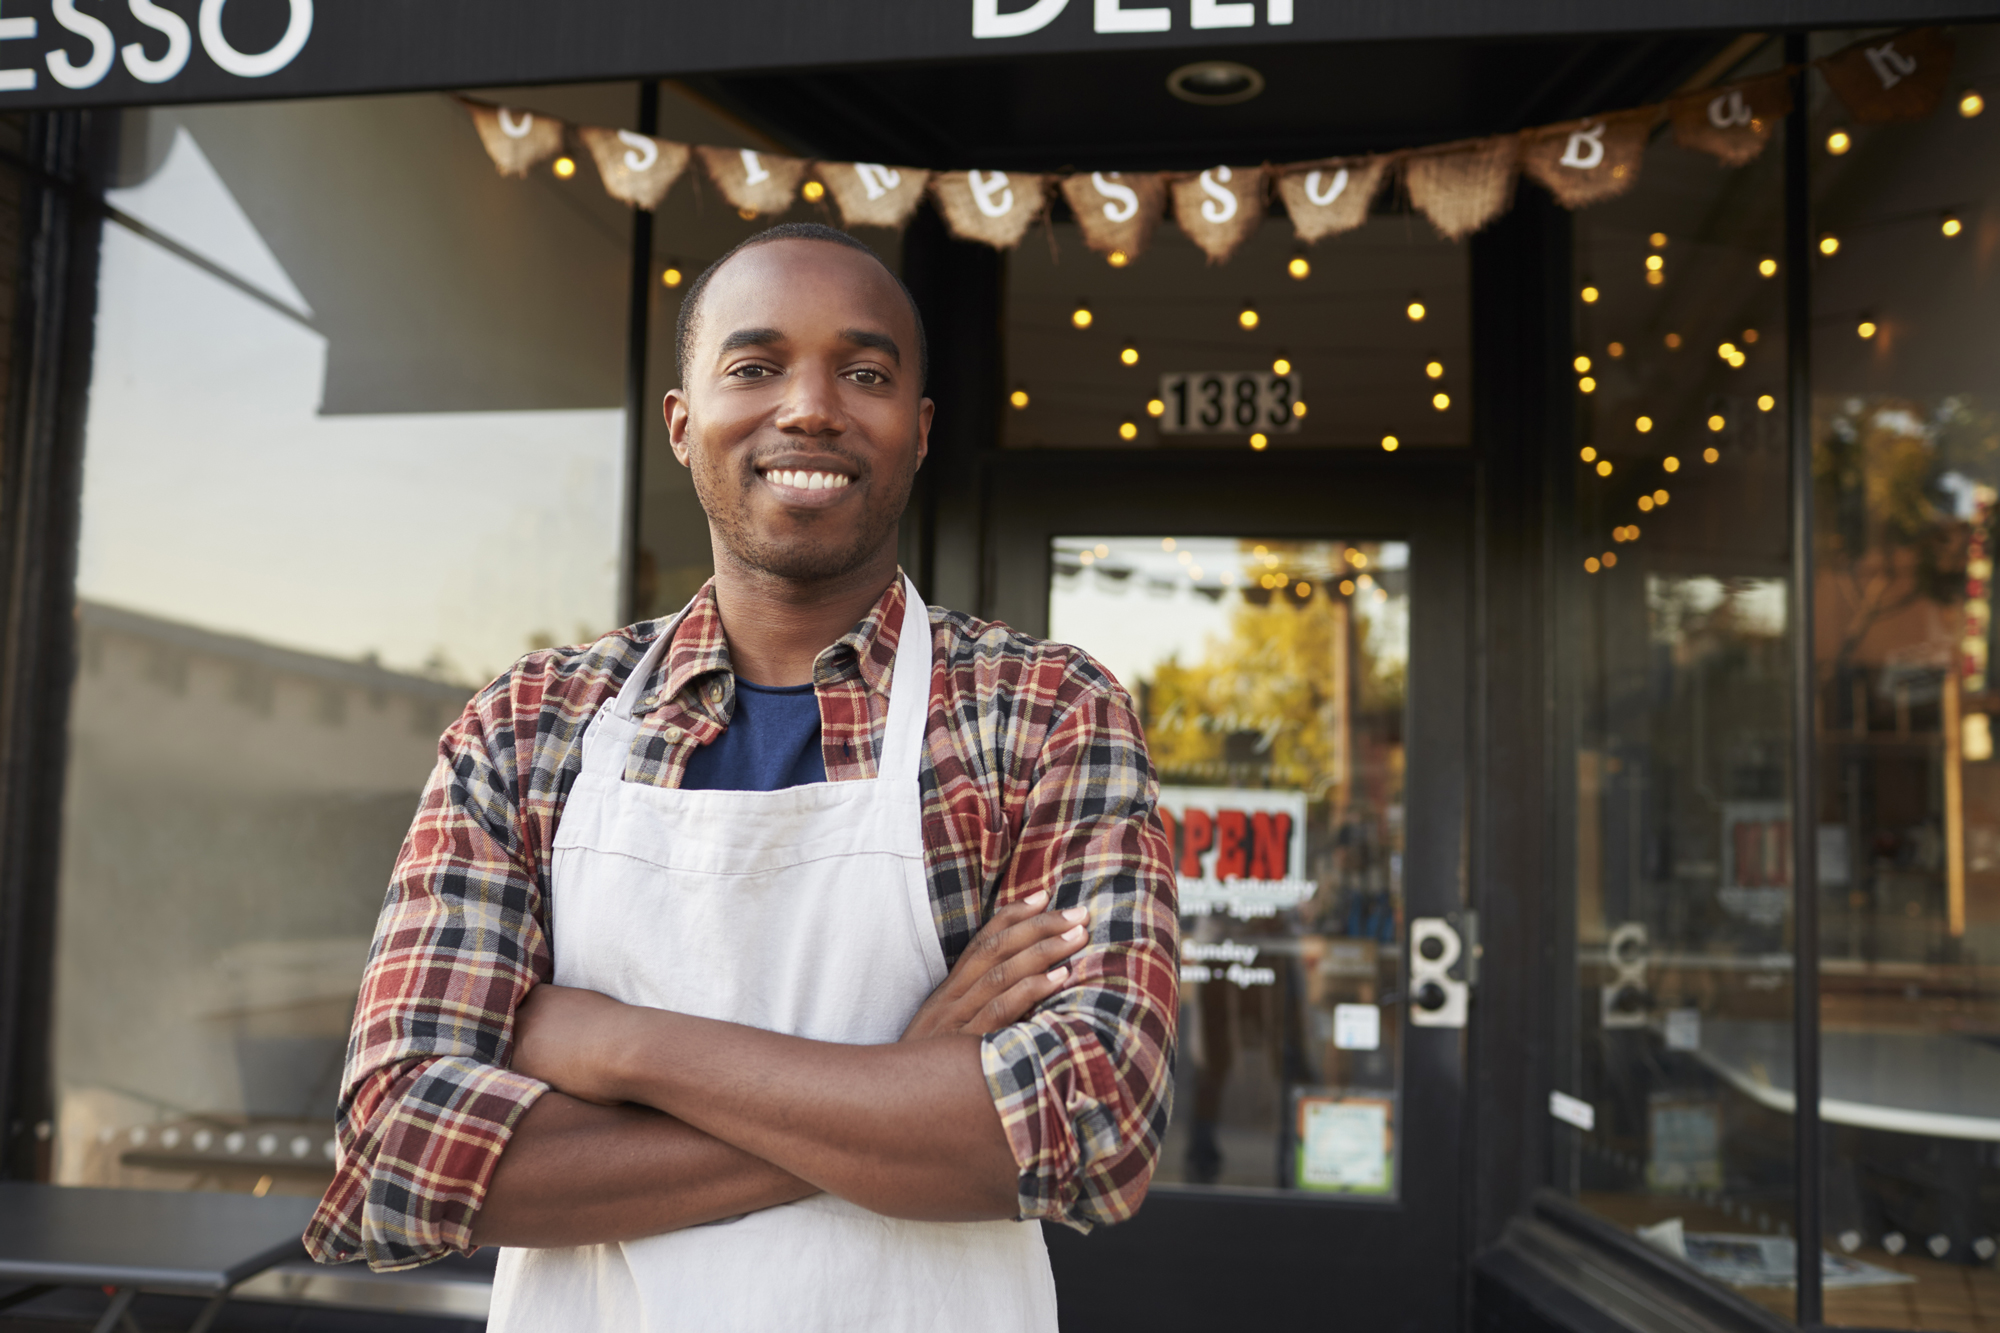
(690, 316)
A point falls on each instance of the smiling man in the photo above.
(777, 964)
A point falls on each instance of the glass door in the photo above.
(1292, 634)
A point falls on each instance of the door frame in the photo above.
(1196, 1255)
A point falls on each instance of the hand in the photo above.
(1008, 969)
(568, 1038)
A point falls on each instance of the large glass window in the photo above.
(1674, 1110)
(1906, 460)
(1271, 677)
(354, 444)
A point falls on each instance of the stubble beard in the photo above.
(820, 552)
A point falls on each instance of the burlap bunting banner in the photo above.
(637, 169)
(1219, 208)
(515, 140)
(869, 194)
(990, 206)
(1330, 197)
(1732, 123)
(1116, 210)
(1587, 161)
(1895, 78)
(755, 182)
(1462, 187)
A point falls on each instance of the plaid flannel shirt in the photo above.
(1035, 776)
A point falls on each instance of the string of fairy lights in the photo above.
(1247, 320)
(1867, 326)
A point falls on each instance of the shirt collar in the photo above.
(700, 650)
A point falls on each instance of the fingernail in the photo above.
(1073, 933)
(1077, 913)
(1037, 899)
(1059, 974)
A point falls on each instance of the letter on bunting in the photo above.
(515, 140)
(1116, 210)
(1733, 122)
(1462, 187)
(1330, 197)
(754, 182)
(1584, 161)
(990, 206)
(637, 169)
(1219, 208)
(1885, 79)
(872, 195)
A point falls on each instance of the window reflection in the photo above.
(1271, 678)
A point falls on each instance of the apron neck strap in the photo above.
(909, 691)
(635, 684)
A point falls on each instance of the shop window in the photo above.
(1358, 342)
(1271, 679)
(1672, 1114)
(353, 445)
(1906, 461)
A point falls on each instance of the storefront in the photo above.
(1518, 619)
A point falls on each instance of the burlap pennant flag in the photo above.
(872, 195)
(990, 206)
(1116, 210)
(1330, 197)
(515, 140)
(755, 182)
(1732, 123)
(637, 169)
(1219, 208)
(1589, 160)
(1463, 186)
(1891, 78)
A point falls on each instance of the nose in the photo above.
(811, 405)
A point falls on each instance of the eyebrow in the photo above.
(881, 342)
(742, 338)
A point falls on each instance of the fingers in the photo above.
(1018, 1000)
(1030, 949)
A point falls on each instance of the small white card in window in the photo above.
(1344, 1145)
(1357, 1027)
(1572, 1110)
(1683, 1029)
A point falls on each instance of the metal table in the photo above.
(196, 1244)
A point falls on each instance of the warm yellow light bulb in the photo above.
(1586, 385)
(1156, 407)
(565, 166)
(1118, 259)
(1615, 350)
(1643, 424)
(1390, 444)
(1658, 240)
(1128, 430)
(1441, 401)
(813, 191)
(1129, 355)
(1654, 278)
(1080, 317)
(1247, 318)
(1839, 142)
(1019, 398)
(1951, 226)
(1603, 467)
(1866, 328)
(1654, 263)
(1971, 104)
(1670, 464)
(1610, 559)
(1726, 351)
(1765, 402)
(1710, 454)
(1645, 504)
(1590, 564)
(1347, 587)
(1673, 340)
(1829, 244)
(1167, 543)
(1767, 268)
(1750, 335)
(1589, 295)
(1588, 453)
(1259, 440)
(672, 277)
(1281, 367)
(1716, 423)
(1415, 310)
(1434, 369)
(1659, 498)
(1298, 267)
(1299, 408)
(1582, 365)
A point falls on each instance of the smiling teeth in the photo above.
(810, 481)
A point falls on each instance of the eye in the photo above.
(752, 372)
(868, 376)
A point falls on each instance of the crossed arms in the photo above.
(659, 1120)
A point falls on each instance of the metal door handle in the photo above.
(1439, 998)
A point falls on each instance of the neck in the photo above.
(776, 627)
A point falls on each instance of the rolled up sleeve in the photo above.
(1085, 1084)
(426, 1104)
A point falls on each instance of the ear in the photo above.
(675, 409)
(925, 411)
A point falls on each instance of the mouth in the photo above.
(805, 485)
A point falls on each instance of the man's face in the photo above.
(801, 419)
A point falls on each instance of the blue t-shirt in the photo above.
(773, 741)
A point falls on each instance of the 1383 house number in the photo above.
(1228, 402)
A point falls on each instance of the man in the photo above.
(659, 998)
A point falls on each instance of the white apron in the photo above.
(804, 911)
